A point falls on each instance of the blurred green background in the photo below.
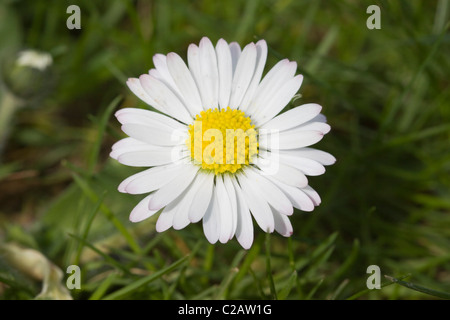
(385, 202)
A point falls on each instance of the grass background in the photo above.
(385, 202)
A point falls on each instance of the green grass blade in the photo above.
(284, 292)
(107, 258)
(247, 19)
(339, 289)
(395, 107)
(102, 124)
(366, 291)
(183, 270)
(273, 291)
(205, 294)
(227, 281)
(145, 280)
(313, 291)
(322, 49)
(419, 288)
(322, 250)
(349, 261)
(87, 227)
(103, 287)
(257, 283)
(87, 190)
(440, 18)
(252, 254)
(208, 262)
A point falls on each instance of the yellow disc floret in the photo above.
(222, 140)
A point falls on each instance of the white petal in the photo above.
(135, 86)
(125, 142)
(271, 166)
(167, 81)
(141, 210)
(232, 196)
(149, 158)
(185, 83)
(194, 65)
(225, 70)
(151, 179)
(277, 101)
(258, 206)
(244, 229)
(181, 215)
(294, 117)
(209, 74)
(270, 192)
(155, 74)
(312, 194)
(173, 189)
(282, 224)
(175, 213)
(165, 219)
(291, 140)
(313, 126)
(319, 118)
(142, 116)
(298, 198)
(243, 75)
(165, 98)
(225, 211)
(162, 72)
(318, 155)
(155, 135)
(123, 147)
(261, 57)
(305, 165)
(118, 151)
(281, 73)
(211, 220)
(202, 199)
(235, 51)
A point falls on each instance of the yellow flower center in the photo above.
(222, 140)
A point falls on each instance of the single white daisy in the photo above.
(197, 172)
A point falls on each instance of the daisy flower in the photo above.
(219, 149)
